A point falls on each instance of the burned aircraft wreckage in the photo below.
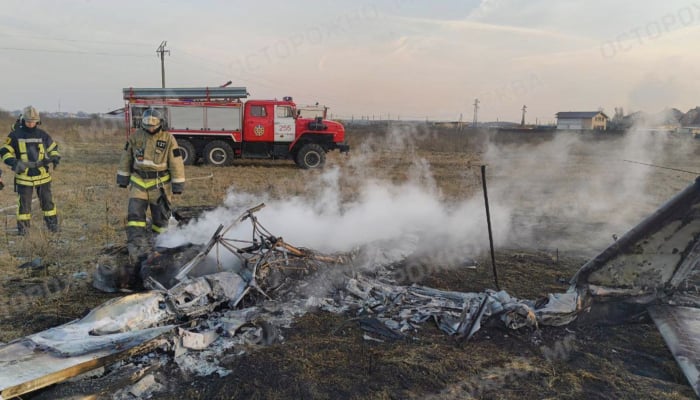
(212, 297)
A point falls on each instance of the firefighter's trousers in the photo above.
(140, 200)
(24, 209)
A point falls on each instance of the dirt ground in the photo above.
(324, 355)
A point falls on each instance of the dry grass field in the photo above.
(556, 200)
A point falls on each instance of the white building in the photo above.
(582, 120)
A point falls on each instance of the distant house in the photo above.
(692, 130)
(582, 120)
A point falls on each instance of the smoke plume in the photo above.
(570, 192)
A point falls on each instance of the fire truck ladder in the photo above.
(195, 93)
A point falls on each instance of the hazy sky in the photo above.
(407, 59)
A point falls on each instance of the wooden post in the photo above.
(488, 221)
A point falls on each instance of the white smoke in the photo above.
(574, 192)
(378, 211)
(570, 192)
(382, 212)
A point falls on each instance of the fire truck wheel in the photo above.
(187, 150)
(218, 153)
(311, 155)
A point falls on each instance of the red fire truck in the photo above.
(217, 125)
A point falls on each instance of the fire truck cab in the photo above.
(217, 126)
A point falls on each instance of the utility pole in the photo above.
(161, 50)
(522, 121)
(476, 111)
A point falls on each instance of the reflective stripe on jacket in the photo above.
(34, 148)
(150, 159)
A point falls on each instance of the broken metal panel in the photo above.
(679, 327)
(467, 327)
(627, 293)
(376, 326)
(561, 309)
(194, 297)
(122, 314)
(227, 286)
(26, 368)
(653, 260)
(686, 299)
(650, 254)
(119, 323)
(402, 308)
(196, 340)
(657, 261)
(232, 320)
(73, 343)
(143, 389)
(190, 296)
(688, 272)
(109, 330)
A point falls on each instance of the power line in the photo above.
(662, 167)
(207, 66)
(95, 53)
(75, 40)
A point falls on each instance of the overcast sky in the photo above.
(405, 59)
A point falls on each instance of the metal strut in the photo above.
(194, 93)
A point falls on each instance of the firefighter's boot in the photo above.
(137, 244)
(51, 223)
(23, 228)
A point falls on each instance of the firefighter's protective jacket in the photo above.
(151, 159)
(35, 149)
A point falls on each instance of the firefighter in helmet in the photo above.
(152, 165)
(29, 151)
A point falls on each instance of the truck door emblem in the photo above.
(259, 130)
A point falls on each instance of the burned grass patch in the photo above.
(325, 355)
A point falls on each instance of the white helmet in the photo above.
(30, 114)
(151, 119)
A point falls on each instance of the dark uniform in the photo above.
(29, 151)
(153, 166)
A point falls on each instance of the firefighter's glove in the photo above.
(122, 181)
(2, 185)
(55, 160)
(178, 188)
(20, 167)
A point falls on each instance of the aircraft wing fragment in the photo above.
(679, 327)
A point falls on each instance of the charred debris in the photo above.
(203, 300)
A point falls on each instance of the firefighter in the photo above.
(29, 150)
(152, 165)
